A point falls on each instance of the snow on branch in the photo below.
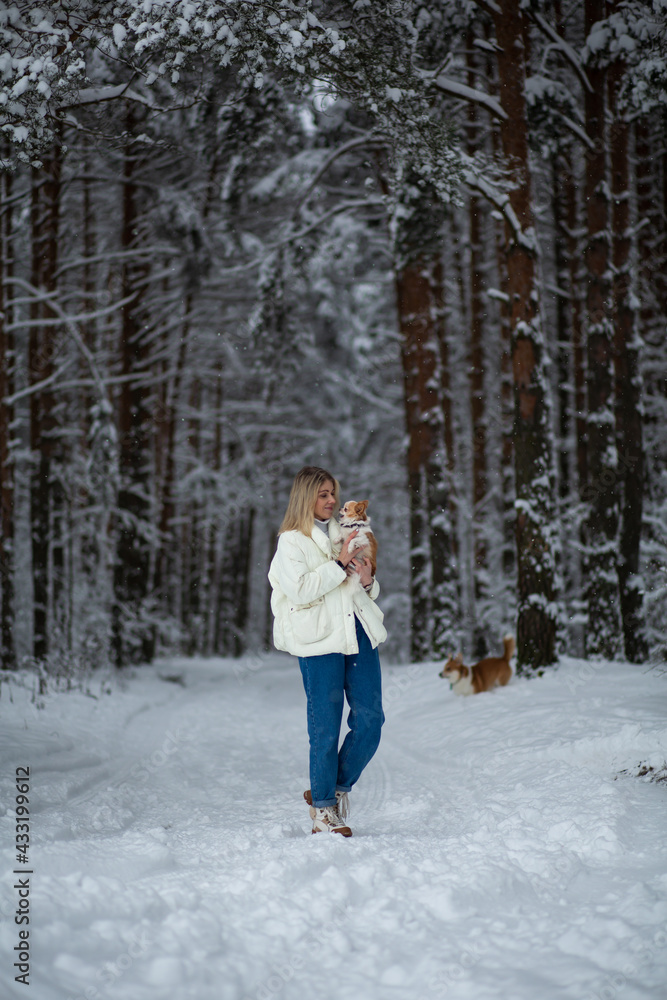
(501, 200)
(366, 140)
(56, 378)
(489, 5)
(293, 237)
(563, 46)
(147, 252)
(466, 93)
(70, 322)
(576, 129)
(97, 95)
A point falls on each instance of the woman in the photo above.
(332, 623)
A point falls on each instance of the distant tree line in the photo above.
(424, 244)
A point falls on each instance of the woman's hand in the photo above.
(364, 571)
(345, 555)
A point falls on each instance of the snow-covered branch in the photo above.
(501, 201)
(576, 130)
(292, 237)
(365, 140)
(70, 323)
(489, 5)
(98, 95)
(470, 94)
(148, 252)
(60, 315)
(564, 47)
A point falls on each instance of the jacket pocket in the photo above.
(371, 618)
(369, 610)
(310, 622)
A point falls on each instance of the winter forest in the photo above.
(423, 245)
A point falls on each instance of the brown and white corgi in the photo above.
(483, 675)
(353, 515)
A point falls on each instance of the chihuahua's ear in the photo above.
(459, 659)
(361, 505)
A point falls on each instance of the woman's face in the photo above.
(326, 501)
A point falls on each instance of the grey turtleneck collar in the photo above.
(323, 525)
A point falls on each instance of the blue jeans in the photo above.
(325, 678)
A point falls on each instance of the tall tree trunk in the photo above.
(573, 229)
(649, 227)
(167, 542)
(444, 312)
(601, 532)
(508, 493)
(412, 294)
(629, 429)
(45, 487)
(235, 585)
(560, 173)
(560, 169)
(477, 405)
(506, 411)
(193, 536)
(535, 523)
(578, 342)
(569, 228)
(7, 366)
(233, 593)
(132, 636)
(571, 361)
(212, 543)
(417, 270)
(445, 597)
(99, 439)
(652, 253)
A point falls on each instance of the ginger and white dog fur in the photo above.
(353, 515)
(481, 676)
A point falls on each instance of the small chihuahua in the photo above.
(483, 675)
(353, 515)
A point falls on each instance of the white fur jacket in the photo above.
(314, 602)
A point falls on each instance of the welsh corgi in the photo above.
(483, 675)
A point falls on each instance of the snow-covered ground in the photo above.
(498, 852)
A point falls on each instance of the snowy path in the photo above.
(495, 855)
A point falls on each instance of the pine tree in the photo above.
(417, 223)
(628, 383)
(601, 532)
(7, 479)
(132, 636)
(534, 474)
(46, 494)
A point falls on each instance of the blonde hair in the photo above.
(300, 513)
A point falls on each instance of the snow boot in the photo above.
(330, 818)
(327, 819)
